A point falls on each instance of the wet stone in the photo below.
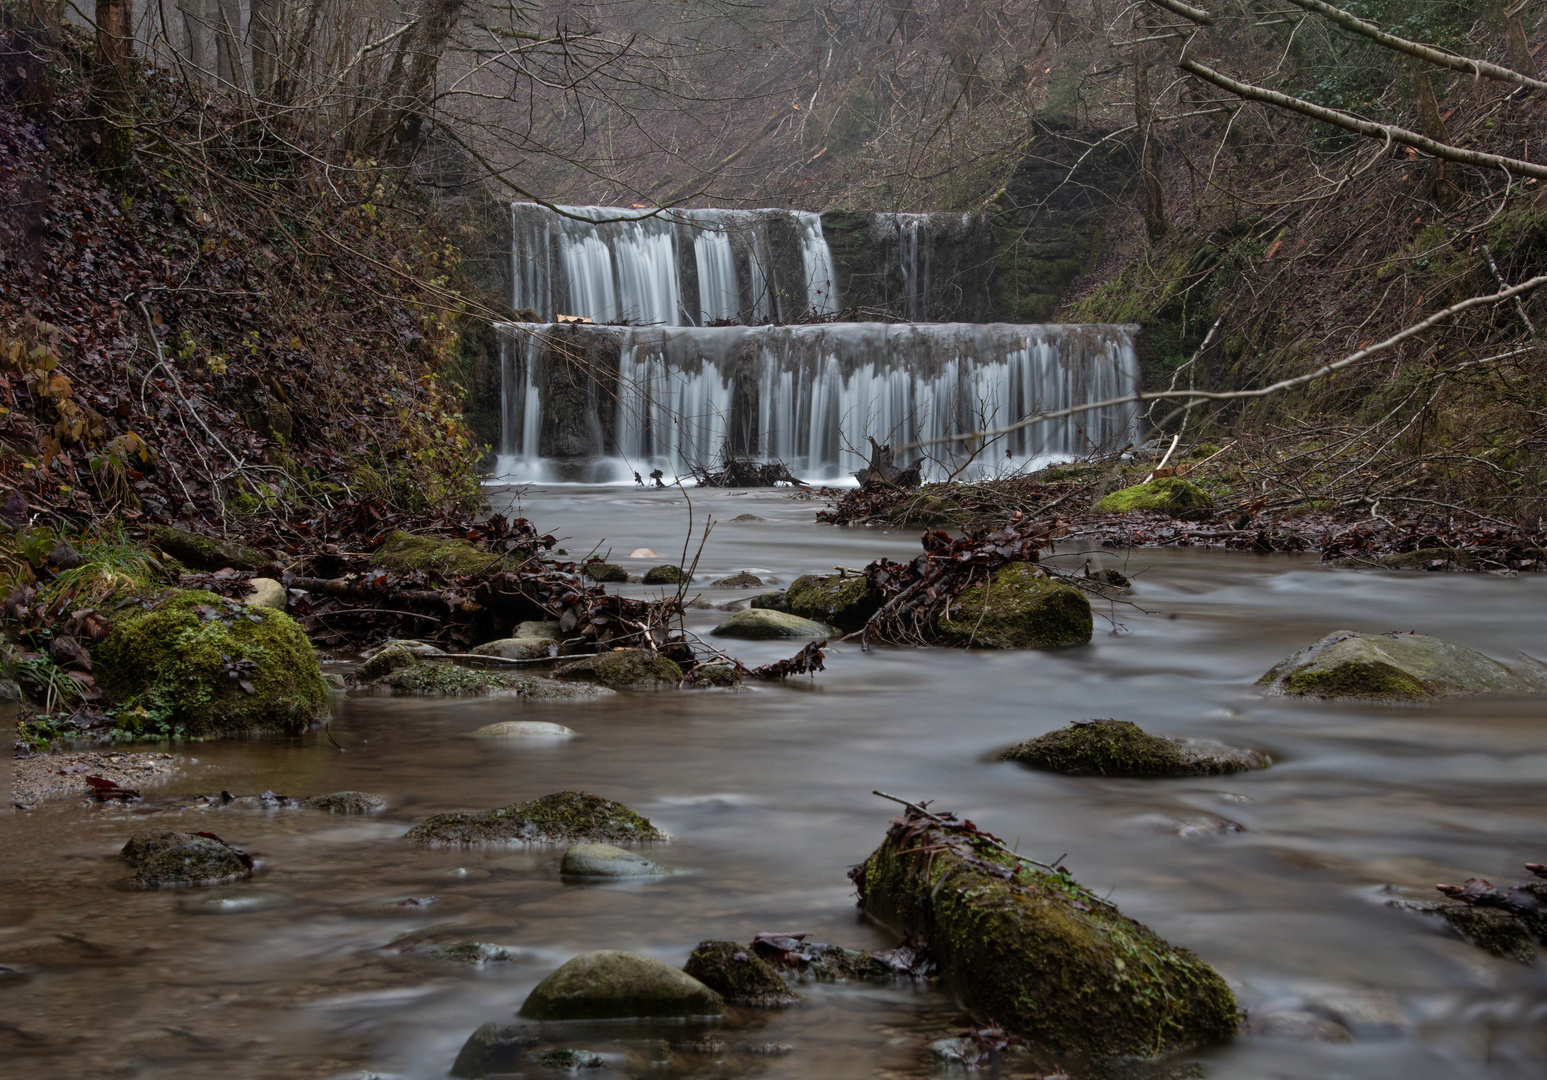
(738, 974)
(766, 624)
(739, 580)
(519, 648)
(176, 859)
(612, 985)
(665, 575)
(1399, 666)
(523, 729)
(534, 629)
(493, 1048)
(565, 1059)
(605, 572)
(346, 802)
(1122, 748)
(623, 669)
(607, 861)
(1306, 1026)
(564, 817)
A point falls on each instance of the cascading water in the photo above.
(599, 404)
(671, 267)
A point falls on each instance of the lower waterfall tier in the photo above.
(598, 403)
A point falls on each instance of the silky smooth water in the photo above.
(767, 795)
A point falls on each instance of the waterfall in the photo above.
(600, 403)
(671, 267)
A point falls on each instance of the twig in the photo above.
(941, 821)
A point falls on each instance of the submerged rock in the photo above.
(493, 1048)
(566, 1059)
(605, 571)
(716, 674)
(564, 817)
(523, 729)
(346, 802)
(738, 974)
(845, 602)
(471, 953)
(742, 579)
(1506, 922)
(405, 553)
(765, 624)
(665, 575)
(608, 861)
(215, 666)
(1020, 608)
(175, 859)
(1168, 495)
(623, 669)
(519, 648)
(612, 985)
(1122, 748)
(1034, 953)
(1398, 666)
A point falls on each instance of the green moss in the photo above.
(665, 575)
(447, 679)
(605, 571)
(1018, 609)
(1101, 748)
(385, 663)
(844, 602)
(187, 655)
(1168, 495)
(738, 974)
(1357, 679)
(563, 818)
(1426, 558)
(1041, 956)
(205, 552)
(405, 553)
(171, 859)
(623, 668)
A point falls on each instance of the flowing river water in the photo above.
(1277, 878)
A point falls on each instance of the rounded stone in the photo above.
(607, 861)
(665, 574)
(519, 648)
(346, 802)
(533, 629)
(523, 729)
(604, 572)
(766, 624)
(612, 985)
(266, 592)
(742, 579)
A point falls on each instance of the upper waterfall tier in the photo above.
(671, 267)
(602, 402)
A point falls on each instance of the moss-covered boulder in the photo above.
(176, 859)
(738, 974)
(385, 661)
(209, 665)
(1018, 608)
(841, 601)
(406, 553)
(623, 669)
(1399, 666)
(612, 985)
(1122, 748)
(665, 575)
(605, 571)
(199, 552)
(765, 624)
(1168, 495)
(566, 817)
(1035, 953)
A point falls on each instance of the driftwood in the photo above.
(745, 473)
(883, 469)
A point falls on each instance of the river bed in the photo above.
(1276, 878)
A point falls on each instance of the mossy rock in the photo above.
(623, 669)
(1493, 930)
(665, 575)
(185, 654)
(406, 553)
(1122, 748)
(567, 817)
(1440, 558)
(1035, 953)
(1399, 666)
(844, 602)
(1020, 608)
(444, 679)
(385, 662)
(177, 859)
(519, 648)
(346, 802)
(199, 552)
(716, 674)
(738, 974)
(778, 600)
(1169, 495)
(605, 571)
(612, 985)
(766, 624)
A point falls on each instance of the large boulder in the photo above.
(177, 859)
(405, 553)
(1031, 951)
(208, 665)
(612, 985)
(1019, 608)
(738, 974)
(566, 817)
(1168, 495)
(766, 624)
(1122, 748)
(842, 601)
(1399, 666)
(623, 669)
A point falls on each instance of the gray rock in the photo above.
(1400, 666)
(266, 592)
(418, 648)
(9, 691)
(175, 859)
(747, 517)
(519, 648)
(523, 729)
(738, 974)
(612, 985)
(1122, 748)
(471, 953)
(960, 1051)
(536, 630)
(603, 572)
(567, 1059)
(346, 802)
(607, 861)
(766, 624)
(1301, 1025)
(665, 575)
(622, 669)
(384, 662)
(493, 1048)
(739, 580)
(773, 601)
(334, 681)
(566, 817)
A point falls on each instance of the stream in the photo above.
(1277, 878)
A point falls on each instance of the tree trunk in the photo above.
(263, 26)
(1149, 149)
(1431, 124)
(1517, 49)
(115, 128)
